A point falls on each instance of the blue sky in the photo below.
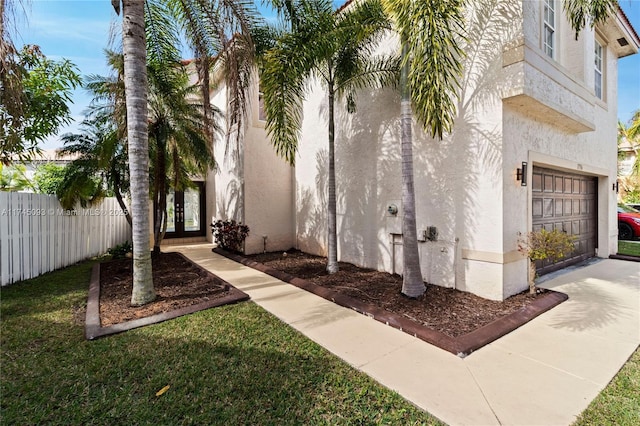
(79, 31)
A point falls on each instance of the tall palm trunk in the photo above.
(135, 83)
(160, 191)
(118, 194)
(203, 64)
(332, 259)
(412, 284)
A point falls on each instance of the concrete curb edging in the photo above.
(460, 346)
(93, 330)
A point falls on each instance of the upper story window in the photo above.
(549, 28)
(598, 67)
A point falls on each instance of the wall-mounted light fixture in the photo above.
(615, 187)
(392, 209)
(521, 174)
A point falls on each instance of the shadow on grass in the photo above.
(230, 365)
(43, 292)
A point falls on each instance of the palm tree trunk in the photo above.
(159, 192)
(121, 203)
(135, 82)
(332, 259)
(203, 65)
(412, 284)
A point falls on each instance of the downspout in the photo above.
(394, 243)
(294, 208)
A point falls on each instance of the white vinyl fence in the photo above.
(37, 235)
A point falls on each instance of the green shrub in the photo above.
(229, 234)
(543, 245)
(120, 251)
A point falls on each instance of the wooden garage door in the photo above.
(568, 202)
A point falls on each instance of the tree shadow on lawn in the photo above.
(232, 365)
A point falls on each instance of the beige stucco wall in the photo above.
(252, 185)
(269, 201)
(517, 105)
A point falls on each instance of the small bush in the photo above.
(543, 245)
(120, 251)
(229, 234)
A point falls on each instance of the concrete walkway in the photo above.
(544, 373)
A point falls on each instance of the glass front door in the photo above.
(185, 212)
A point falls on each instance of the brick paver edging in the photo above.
(460, 346)
(93, 330)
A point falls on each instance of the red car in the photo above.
(628, 223)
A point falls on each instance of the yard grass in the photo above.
(231, 365)
(629, 248)
(619, 403)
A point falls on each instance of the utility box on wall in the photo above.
(431, 233)
(393, 217)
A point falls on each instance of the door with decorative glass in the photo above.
(185, 212)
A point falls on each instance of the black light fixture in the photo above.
(615, 187)
(521, 174)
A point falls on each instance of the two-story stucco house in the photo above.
(534, 146)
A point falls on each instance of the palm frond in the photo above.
(434, 29)
(588, 12)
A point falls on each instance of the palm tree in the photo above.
(227, 21)
(100, 167)
(337, 49)
(430, 32)
(179, 138)
(135, 84)
(100, 147)
(629, 140)
(430, 35)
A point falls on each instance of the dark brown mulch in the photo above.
(448, 311)
(177, 281)
(456, 321)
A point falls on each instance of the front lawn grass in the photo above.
(629, 248)
(231, 365)
(619, 403)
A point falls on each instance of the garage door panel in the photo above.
(548, 207)
(565, 201)
(536, 185)
(558, 205)
(558, 184)
(548, 183)
(536, 206)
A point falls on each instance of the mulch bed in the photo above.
(453, 320)
(456, 321)
(181, 286)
